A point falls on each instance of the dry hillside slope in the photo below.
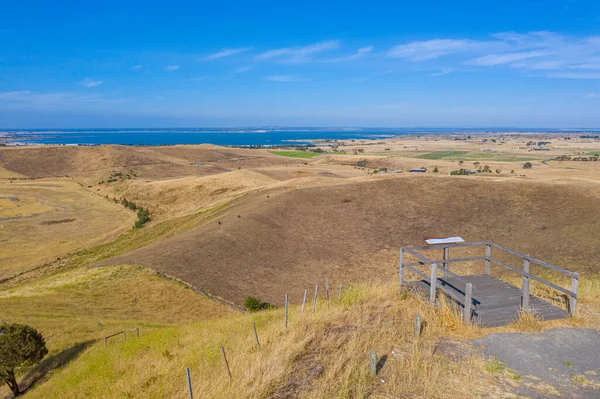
(283, 243)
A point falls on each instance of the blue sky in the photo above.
(382, 64)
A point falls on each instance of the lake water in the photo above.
(224, 137)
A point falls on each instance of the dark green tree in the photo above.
(20, 346)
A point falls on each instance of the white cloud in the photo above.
(443, 72)
(591, 95)
(136, 67)
(285, 78)
(26, 99)
(430, 49)
(172, 68)
(556, 55)
(226, 52)
(87, 82)
(360, 53)
(243, 69)
(299, 54)
(504, 58)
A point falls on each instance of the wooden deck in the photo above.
(496, 303)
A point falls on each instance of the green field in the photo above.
(443, 155)
(296, 154)
(472, 156)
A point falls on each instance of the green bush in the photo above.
(527, 165)
(143, 218)
(252, 303)
(435, 170)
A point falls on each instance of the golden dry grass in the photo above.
(45, 219)
(337, 338)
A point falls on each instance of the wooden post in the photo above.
(340, 292)
(225, 360)
(401, 269)
(327, 291)
(105, 341)
(304, 301)
(286, 311)
(256, 336)
(125, 335)
(373, 363)
(488, 254)
(315, 300)
(573, 298)
(418, 325)
(446, 257)
(468, 301)
(525, 299)
(433, 287)
(189, 380)
(137, 331)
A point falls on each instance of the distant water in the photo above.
(227, 137)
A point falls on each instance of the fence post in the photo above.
(373, 363)
(401, 269)
(256, 336)
(286, 311)
(189, 380)
(340, 292)
(137, 331)
(105, 341)
(573, 298)
(418, 325)
(488, 254)
(125, 335)
(315, 300)
(433, 287)
(525, 300)
(304, 301)
(468, 302)
(446, 257)
(225, 360)
(327, 291)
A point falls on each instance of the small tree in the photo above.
(527, 165)
(20, 346)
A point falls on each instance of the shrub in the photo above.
(252, 303)
(435, 169)
(143, 218)
(527, 165)
(498, 171)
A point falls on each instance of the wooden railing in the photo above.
(488, 259)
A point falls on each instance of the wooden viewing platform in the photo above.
(491, 302)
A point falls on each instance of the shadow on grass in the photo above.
(48, 365)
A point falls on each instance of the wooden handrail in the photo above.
(536, 261)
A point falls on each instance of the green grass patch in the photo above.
(495, 366)
(296, 154)
(472, 156)
(443, 155)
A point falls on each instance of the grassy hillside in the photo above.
(321, 355)
(79, 307)
(273, 244)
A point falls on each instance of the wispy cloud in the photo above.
(430, 49)
(299, 54)
(591, 95)
(136, 67)
(226, 52)
(443, 72)
(87, 82)
(172, 68)
(197, 79)
(243, 69)
(25, 99)
(285, 78)
(360, 53)
(548, 53)
(504, 58)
